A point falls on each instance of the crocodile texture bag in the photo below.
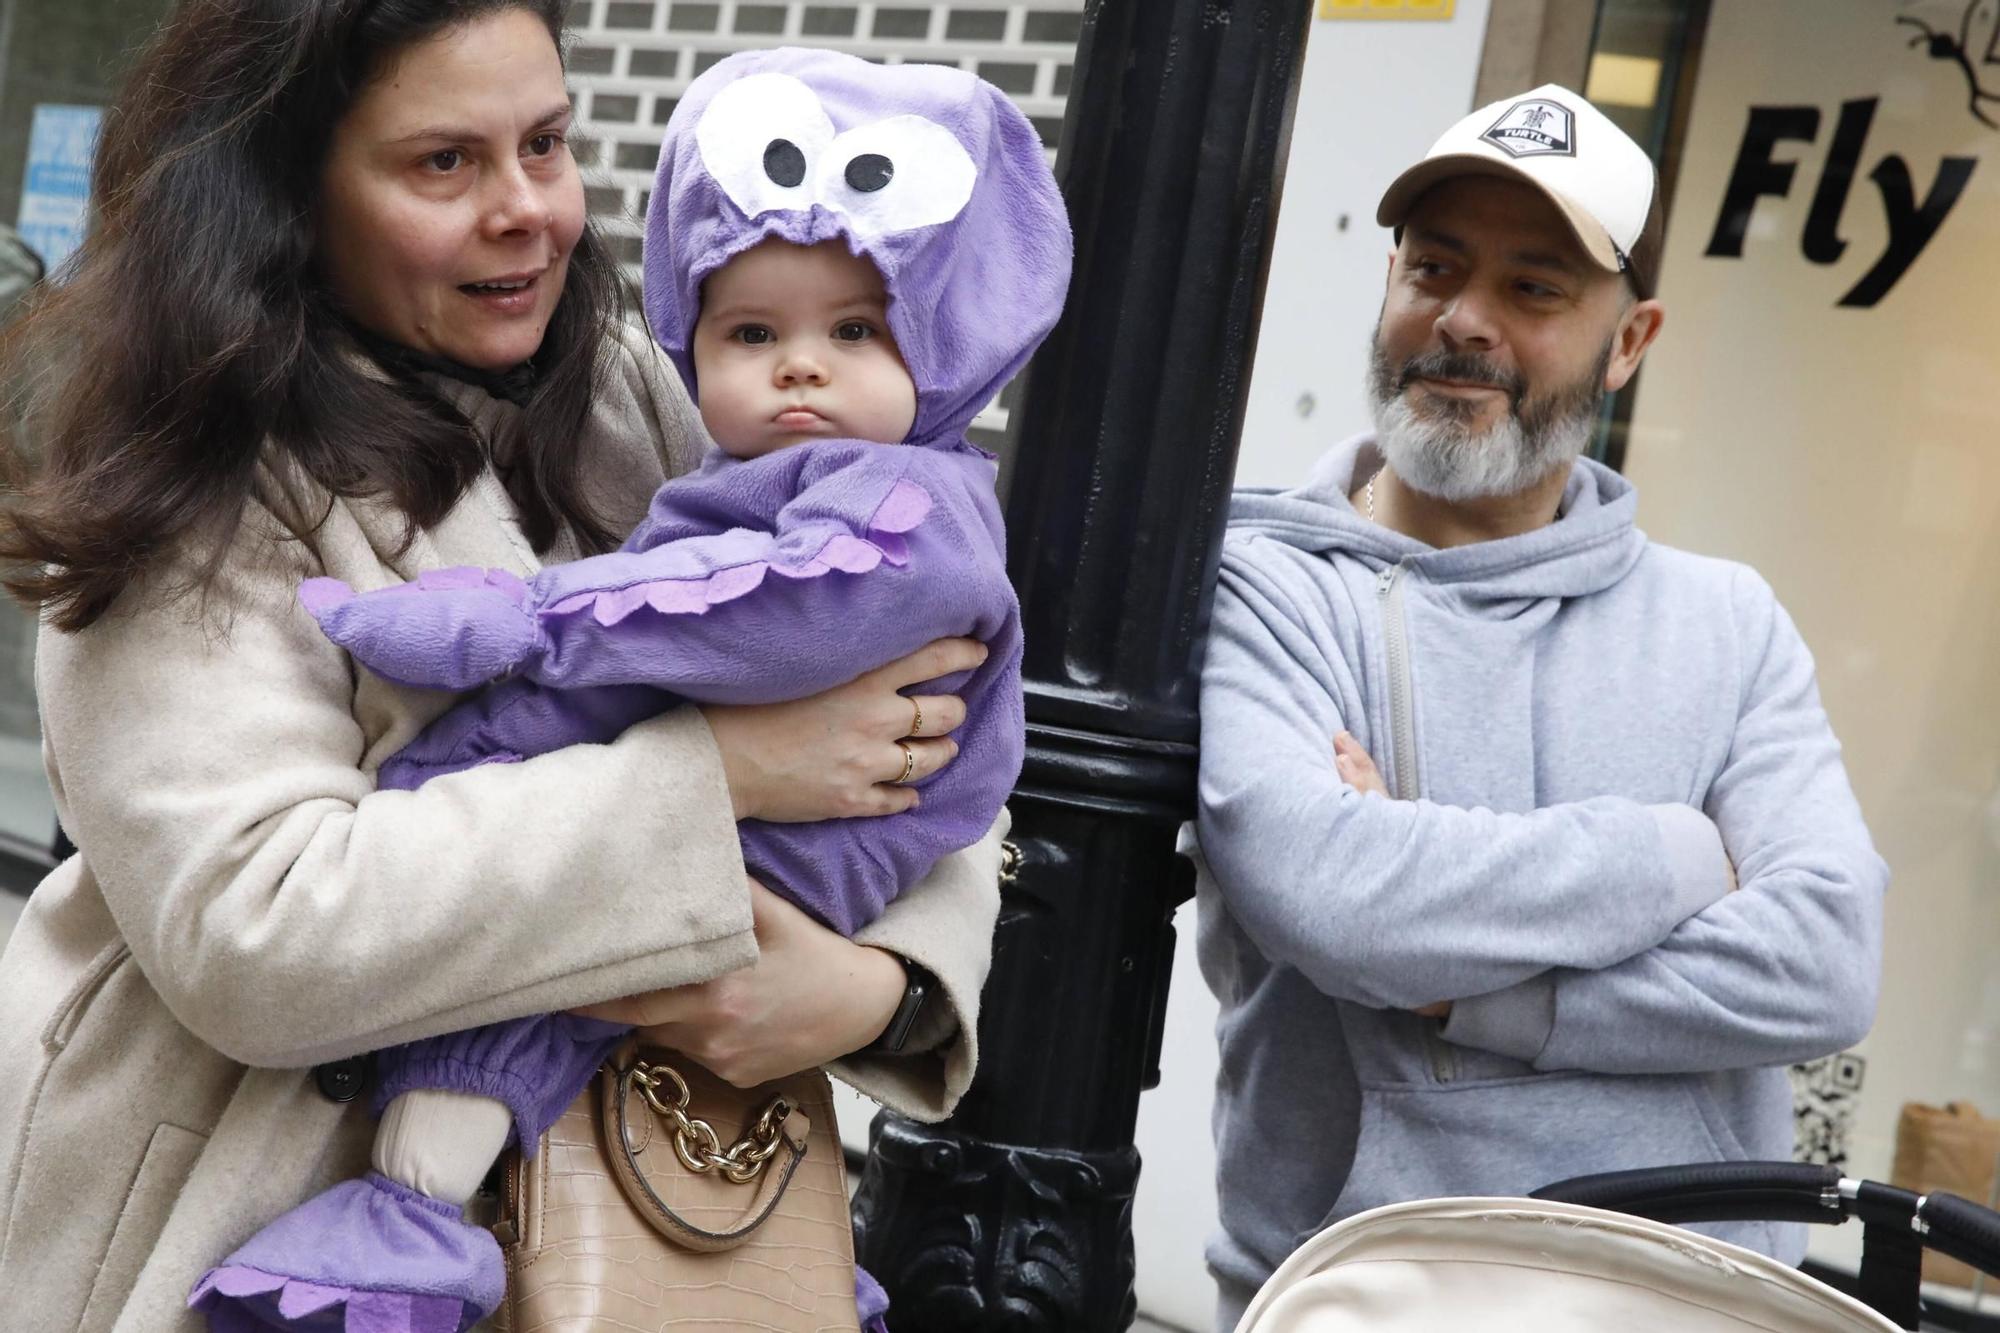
(635, 1215)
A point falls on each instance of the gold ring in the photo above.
(909, 764)
(916, 722)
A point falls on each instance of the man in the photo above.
(1609, 878)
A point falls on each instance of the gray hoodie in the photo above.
(1583, 731)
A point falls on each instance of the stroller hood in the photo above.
(1521, 1265)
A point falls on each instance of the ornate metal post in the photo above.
(1017, 1213)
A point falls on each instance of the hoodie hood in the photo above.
(1592, 544)
(929, 172)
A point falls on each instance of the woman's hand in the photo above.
(837, 755)
(1355, 766)
(811, 997)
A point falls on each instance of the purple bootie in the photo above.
(367, 1256)
(447, 629)
(871, 1303)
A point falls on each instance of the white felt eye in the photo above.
(896, 175)
(762, 138)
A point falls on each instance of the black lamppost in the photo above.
(1016, 1214)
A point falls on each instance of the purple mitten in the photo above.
(367, 1256)
(447, 629)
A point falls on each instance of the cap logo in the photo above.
(1534, 128)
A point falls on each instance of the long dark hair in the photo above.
(192, 327)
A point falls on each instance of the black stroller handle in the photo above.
(1710, 1192)
(1898, 1225)
(1962, 1229)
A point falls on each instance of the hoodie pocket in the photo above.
(1512, 1136)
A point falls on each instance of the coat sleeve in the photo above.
(1398, 904)
(210, 767)
(944, 922)
(1788, 967)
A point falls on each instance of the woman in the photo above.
(342, 315)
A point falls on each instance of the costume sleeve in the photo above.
(535, 1066)
(865, 564)
(1398, 904)
(516, 720)
(212, 770)
(1788, 967)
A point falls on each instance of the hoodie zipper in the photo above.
(1402, 741)
(1403, 744)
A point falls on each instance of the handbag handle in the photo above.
(768, 1156)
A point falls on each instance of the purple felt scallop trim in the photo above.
(900, 511)
(366, 1256)
(238, 1297)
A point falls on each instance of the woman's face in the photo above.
(450, 203)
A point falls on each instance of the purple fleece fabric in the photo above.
(750, 580)
(431, 1273)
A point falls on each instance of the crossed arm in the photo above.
(1598, 935)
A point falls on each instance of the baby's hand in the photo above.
(447, 629)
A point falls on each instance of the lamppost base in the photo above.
(974, 1236)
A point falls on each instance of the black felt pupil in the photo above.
(784, 163)
(870, 172)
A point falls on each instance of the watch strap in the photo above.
(919, 983)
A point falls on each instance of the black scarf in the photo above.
(514, 385)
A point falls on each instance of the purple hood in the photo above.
(930, 172)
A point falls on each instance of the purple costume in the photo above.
(750, 581)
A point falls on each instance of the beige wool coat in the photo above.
(246, 906)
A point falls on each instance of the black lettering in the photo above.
(1910, 227)
(1822, 242)
(1756, 174)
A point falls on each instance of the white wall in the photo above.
(1374, 96)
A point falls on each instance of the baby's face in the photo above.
(793, 345)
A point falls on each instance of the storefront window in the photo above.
(1638, 61)
(58, 65)
(1820, 408)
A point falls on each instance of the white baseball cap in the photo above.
(1603, 183)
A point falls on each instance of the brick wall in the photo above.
(629, 60)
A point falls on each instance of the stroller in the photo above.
(1596, 1253)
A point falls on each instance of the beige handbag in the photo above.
(634, 1215)
(1952, 1150)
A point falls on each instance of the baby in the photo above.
(845, 261)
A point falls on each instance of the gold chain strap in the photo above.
(696, 1142)
(1010, 864)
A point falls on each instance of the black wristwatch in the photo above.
(916, 992)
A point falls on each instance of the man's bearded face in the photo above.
(1434, 440)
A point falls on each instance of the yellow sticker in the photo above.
(1386, 9)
